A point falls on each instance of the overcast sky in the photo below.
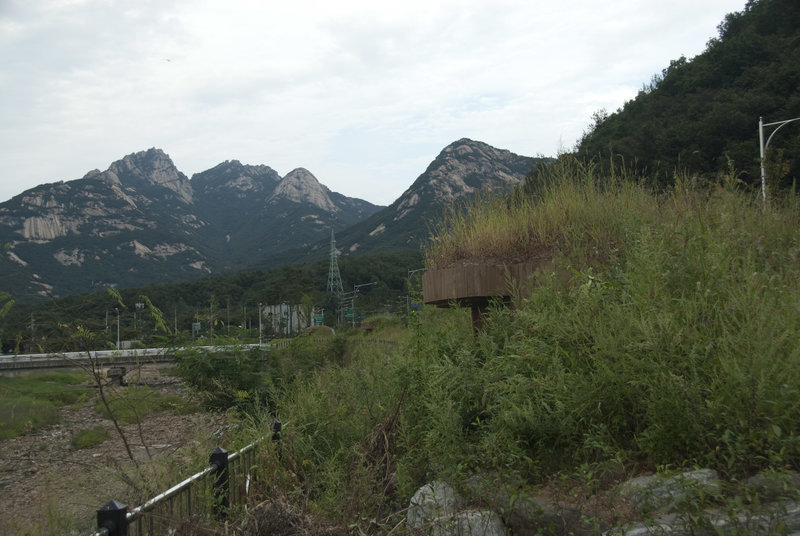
(364, 94)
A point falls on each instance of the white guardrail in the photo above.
(65, 359)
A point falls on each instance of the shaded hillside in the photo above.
(700, 112)
(254, 213)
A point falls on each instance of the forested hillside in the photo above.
(700, 113)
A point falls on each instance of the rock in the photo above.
(782, 518)
(479, 523)
(772, 485)
(432, 501)
(665, 495)
(657, 492)
(436, 509)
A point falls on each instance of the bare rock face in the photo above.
(77, 231)
(232, 180)
(300, 186)
(153, 167)
(467, 166)
(47, 227)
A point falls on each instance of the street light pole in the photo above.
(117, 310)
(763, 147)
(355, 290)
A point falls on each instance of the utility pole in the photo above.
(259, 323)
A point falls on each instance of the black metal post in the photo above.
(276, 430)
(113, 516)
(219, 459)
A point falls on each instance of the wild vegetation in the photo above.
(662, 338)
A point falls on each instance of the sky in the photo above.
(363, 94)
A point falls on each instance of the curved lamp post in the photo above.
(763, 146)
(355, 291)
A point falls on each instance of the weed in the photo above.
(30, 401)
(132, 403)
(89, 438)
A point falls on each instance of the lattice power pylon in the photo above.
(334, 278)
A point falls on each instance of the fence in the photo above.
(220, 486)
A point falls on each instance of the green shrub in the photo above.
(89, 438)
(224, 380)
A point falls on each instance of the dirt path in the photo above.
(46, 485)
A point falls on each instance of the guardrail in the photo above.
(196, 496)
(104, 357)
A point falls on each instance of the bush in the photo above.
(224, 380)
(89, 438)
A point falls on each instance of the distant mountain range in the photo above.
(143, 221)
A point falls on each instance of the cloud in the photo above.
(364, 94)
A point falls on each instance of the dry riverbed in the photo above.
(47, 486)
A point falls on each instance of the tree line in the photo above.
(701, 115)
(223, 306)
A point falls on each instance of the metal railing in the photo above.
(223, 484)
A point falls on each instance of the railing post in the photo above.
(113, 517)
(276, 430)
(219, 458)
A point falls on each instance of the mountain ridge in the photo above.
(142, 220)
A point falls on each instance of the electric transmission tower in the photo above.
(334, 279)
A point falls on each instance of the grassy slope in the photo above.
(665, 338)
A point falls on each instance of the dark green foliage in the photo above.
(48, 327)
(700, 113)
(224, 380)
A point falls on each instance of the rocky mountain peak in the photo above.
(300, 186)
(153, 168)
(462, 168)
(466, 166)
(234, 178)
